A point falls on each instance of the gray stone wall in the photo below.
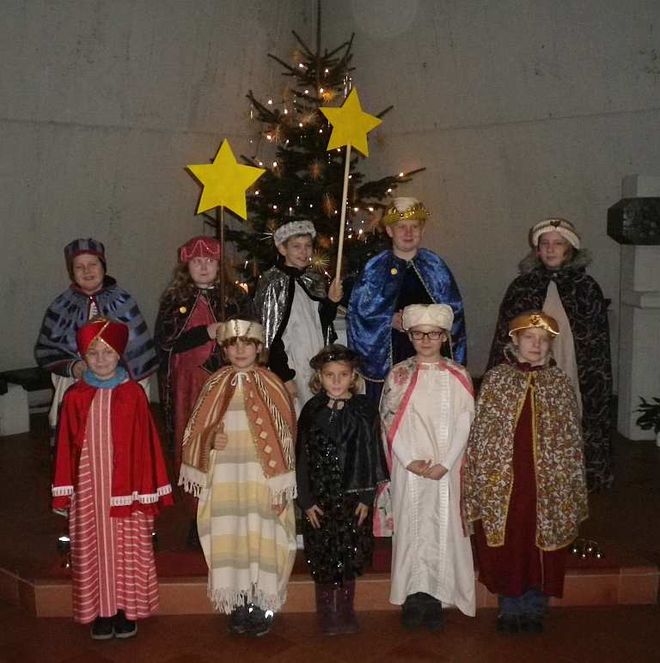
(518, 109)
(102, 104)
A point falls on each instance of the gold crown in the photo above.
(416, 211)
(531, 319)
(240, 329)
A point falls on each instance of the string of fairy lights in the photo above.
(303, 180)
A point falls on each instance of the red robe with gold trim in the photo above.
(139, 476)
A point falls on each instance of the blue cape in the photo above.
(373, 301)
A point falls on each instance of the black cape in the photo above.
(586, 309)
(339, 463)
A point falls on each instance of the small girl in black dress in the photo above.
(339, 465)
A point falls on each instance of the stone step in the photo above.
(632, 585)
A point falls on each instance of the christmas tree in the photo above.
(302, 179)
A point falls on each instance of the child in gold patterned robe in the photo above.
(524, 485)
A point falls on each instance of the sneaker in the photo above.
(102, 628)
(124, 628)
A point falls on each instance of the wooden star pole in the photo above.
(342, 216)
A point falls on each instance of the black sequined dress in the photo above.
(340, 462)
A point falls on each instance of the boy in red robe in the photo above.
(110, 480)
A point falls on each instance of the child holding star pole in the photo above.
(295, 310)
(191, 309)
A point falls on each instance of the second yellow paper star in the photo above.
(350, 124)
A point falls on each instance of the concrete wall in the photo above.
(519, 110)
(102, 104)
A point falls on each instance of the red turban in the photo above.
(200, 247)
(115, 334)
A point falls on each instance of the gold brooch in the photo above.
(183, 309)
(394, 271)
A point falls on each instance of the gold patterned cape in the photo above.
(558, 454)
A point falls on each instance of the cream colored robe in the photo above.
(427, 410)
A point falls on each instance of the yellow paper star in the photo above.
(350, 124)
(225, 181)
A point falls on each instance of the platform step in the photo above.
(187, 595)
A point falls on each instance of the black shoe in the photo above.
(259, 622)
(412, 612)
(238, 620)
(508, 624)
(433, 619)
(124, 628)
(531, 624)
(102, 628)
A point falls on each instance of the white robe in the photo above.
(302, 338)
(430, 552)
(563, 346)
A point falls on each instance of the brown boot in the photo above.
(327, 608)
(348, 620)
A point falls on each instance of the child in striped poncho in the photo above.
(238, 458)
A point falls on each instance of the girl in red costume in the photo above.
(188, 318)
(110, 480)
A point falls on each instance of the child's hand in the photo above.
(292, 389)
(397, 321)
(212, 329)
(278, 508)
(361, 511)
(419, 467)
(436, 472)
(335, 291)
(220, 440)
(313, 515)
(78, 369)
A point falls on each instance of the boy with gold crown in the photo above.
(406, 274)
(524, 482)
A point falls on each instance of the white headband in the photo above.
(293, 228)
(565, 228)
(436, 315)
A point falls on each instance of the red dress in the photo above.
(188, 376)
(519, 565)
